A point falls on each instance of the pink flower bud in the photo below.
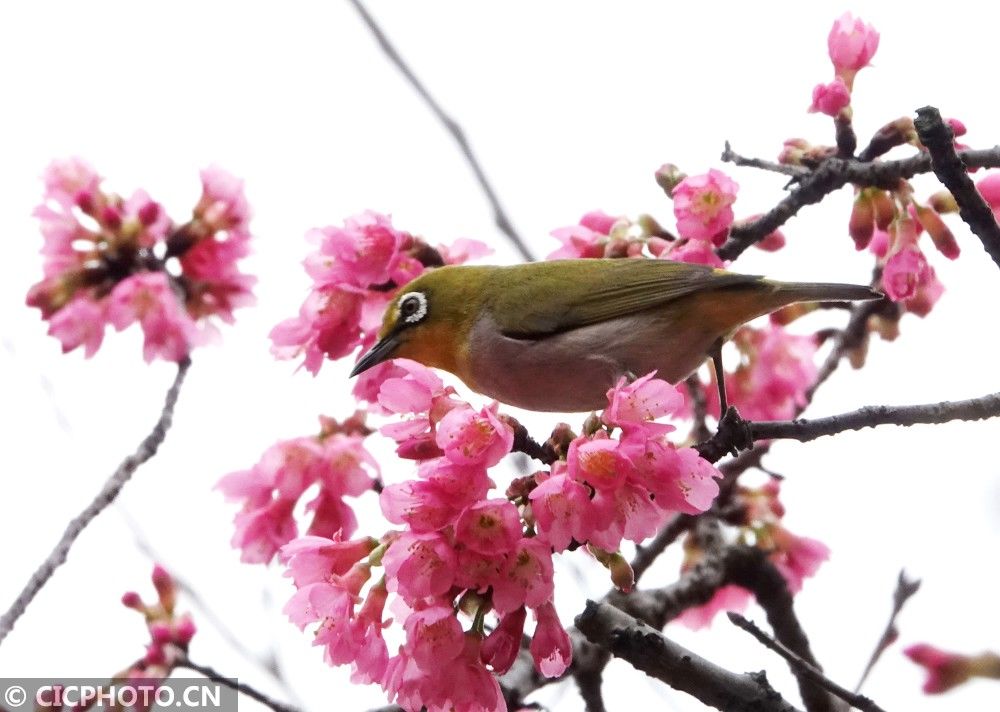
(947, 670)
(885, 209)
(111, 218)
(184, 630)
(851, 44)
(550, 645)
(989, 188)
(132, 600)
(160, 633)
(500, 648)
(148, 213)
(830, 99)
(793, 150)
(85, 201)
(165, 589)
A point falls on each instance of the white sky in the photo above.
(571, 106)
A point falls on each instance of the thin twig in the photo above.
(804, 668)
(111, 489)
(645, 555)
(499, 215)
(648, 650)
(905, 588)
(234, 684)
(730, 156)
(951, 171)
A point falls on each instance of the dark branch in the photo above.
(870, 416)
(951, 171)
(847, 140)
(803, 668)
(833, 174)
(523, 442)
(499, 215)
(905, 588)
(111, 489)
(649, 651)
(234, 684)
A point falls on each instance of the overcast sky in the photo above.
(571, 107)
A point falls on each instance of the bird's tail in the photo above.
(790, 292)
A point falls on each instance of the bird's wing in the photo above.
(532, 309)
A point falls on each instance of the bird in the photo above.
(555, 336)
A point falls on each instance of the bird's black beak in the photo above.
(382, 351)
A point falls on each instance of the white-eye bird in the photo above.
(556, 335)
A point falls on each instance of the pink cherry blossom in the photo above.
(66, 179)
(328, 325)
(697, 252)
(635, 404)
(420, 565)
(312, 559)
(852, 44)
(903, 273)
(989, 188)
(223, 205)
(830, 99)
(598, 462)
(269, 491)
(214, 284)
(586, 239)
(797, 557)
(727, 598)
(80, 323)
(148, 298)
(470, 438)
(433, 635)
(563, 509)
(492, 527)
(550, 645)
(703, 206)
(462, 250)
(928, 293)
(526, 578)
(365, 252)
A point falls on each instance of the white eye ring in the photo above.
(421, 310)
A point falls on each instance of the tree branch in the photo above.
(499, 215)
(111, 489)
(649, 651)
(871, 416)
(832, 174)
(730, 156)
(803, 668)
(234, 684)
(951, 171)
(905, 588)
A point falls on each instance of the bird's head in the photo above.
(429, 319)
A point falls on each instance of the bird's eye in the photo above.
(413, 307)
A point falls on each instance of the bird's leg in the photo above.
(737, 430)
(720, 375)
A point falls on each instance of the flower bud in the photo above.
(885, 210)
(861, 225)
(895, 133)
(111, 218)
(132, 600)
(622, 575)
(943, 238)
(943, 202)
(957, 127)
(668, 176)
(165, 589)
(148, 213)
(792, 151)
(830, 99)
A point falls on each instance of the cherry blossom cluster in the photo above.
(463, 553)
(334, 462)
(355, 271)
(947, 670)
(757, 523)
(117, 261)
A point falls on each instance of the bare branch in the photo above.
(951, 171)
(871, 416)
(649, 651)
(730, 156)
(905, 588)
(234, 684)
(499, 215)
(111, 489)
(803, 668)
